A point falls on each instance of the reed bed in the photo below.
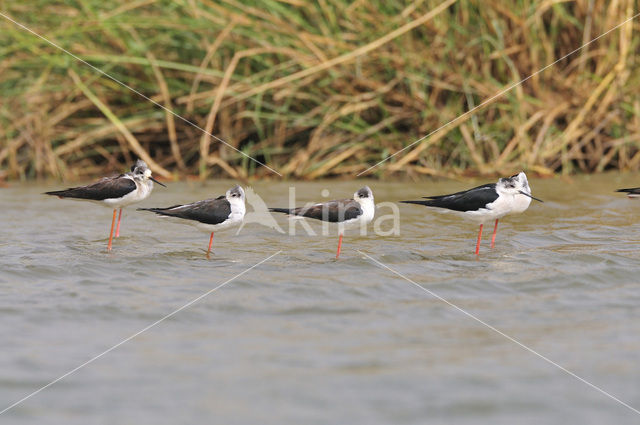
(318, 89)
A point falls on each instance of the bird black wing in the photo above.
(209, 211)
(106, 188)
(466, 200)
(332, 211)
(630, 191)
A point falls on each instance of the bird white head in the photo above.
(139, 170)
(235, 194)
(142, 173)
(363, 195)
(518, 187)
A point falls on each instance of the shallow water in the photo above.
(303, 338)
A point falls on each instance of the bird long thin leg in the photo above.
(210, 243)
(493, 238)
(118, 226)
(479, 240)
(113, 222)
(339, 246)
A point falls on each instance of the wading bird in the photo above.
(115, 192)
(210, 215)
(634, 192)
(344, 212)
(510, 195)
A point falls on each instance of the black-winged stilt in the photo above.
(510, 195)
(344, 212)
(115, 192)
(633, 192)
(210, 215)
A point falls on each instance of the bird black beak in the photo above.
(526, 194)
(156, 181)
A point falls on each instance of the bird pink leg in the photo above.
(210, 243)
(493, 238)
(339, 246)
(118, 226)
(113, 222)
(479, 240)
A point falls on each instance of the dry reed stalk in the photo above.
(367, 74)
(211, 50)
(215, 160)
(414, 153)
(93, 136)
(347, 56)
(133, 142)
(334, 161)
(211, 118)
(471, 145)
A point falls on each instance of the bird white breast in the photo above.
(368, 210)
(142, 191)
(238, 210)
(505, 204)
(520, 203)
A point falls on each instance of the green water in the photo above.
(303, 338)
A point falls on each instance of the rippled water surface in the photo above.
(305, 339)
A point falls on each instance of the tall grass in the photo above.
(318, 88)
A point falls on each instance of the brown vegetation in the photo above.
(318, 89)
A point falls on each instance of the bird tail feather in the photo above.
(425, 202)
(281, 210)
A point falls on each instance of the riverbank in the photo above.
(318, 90)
